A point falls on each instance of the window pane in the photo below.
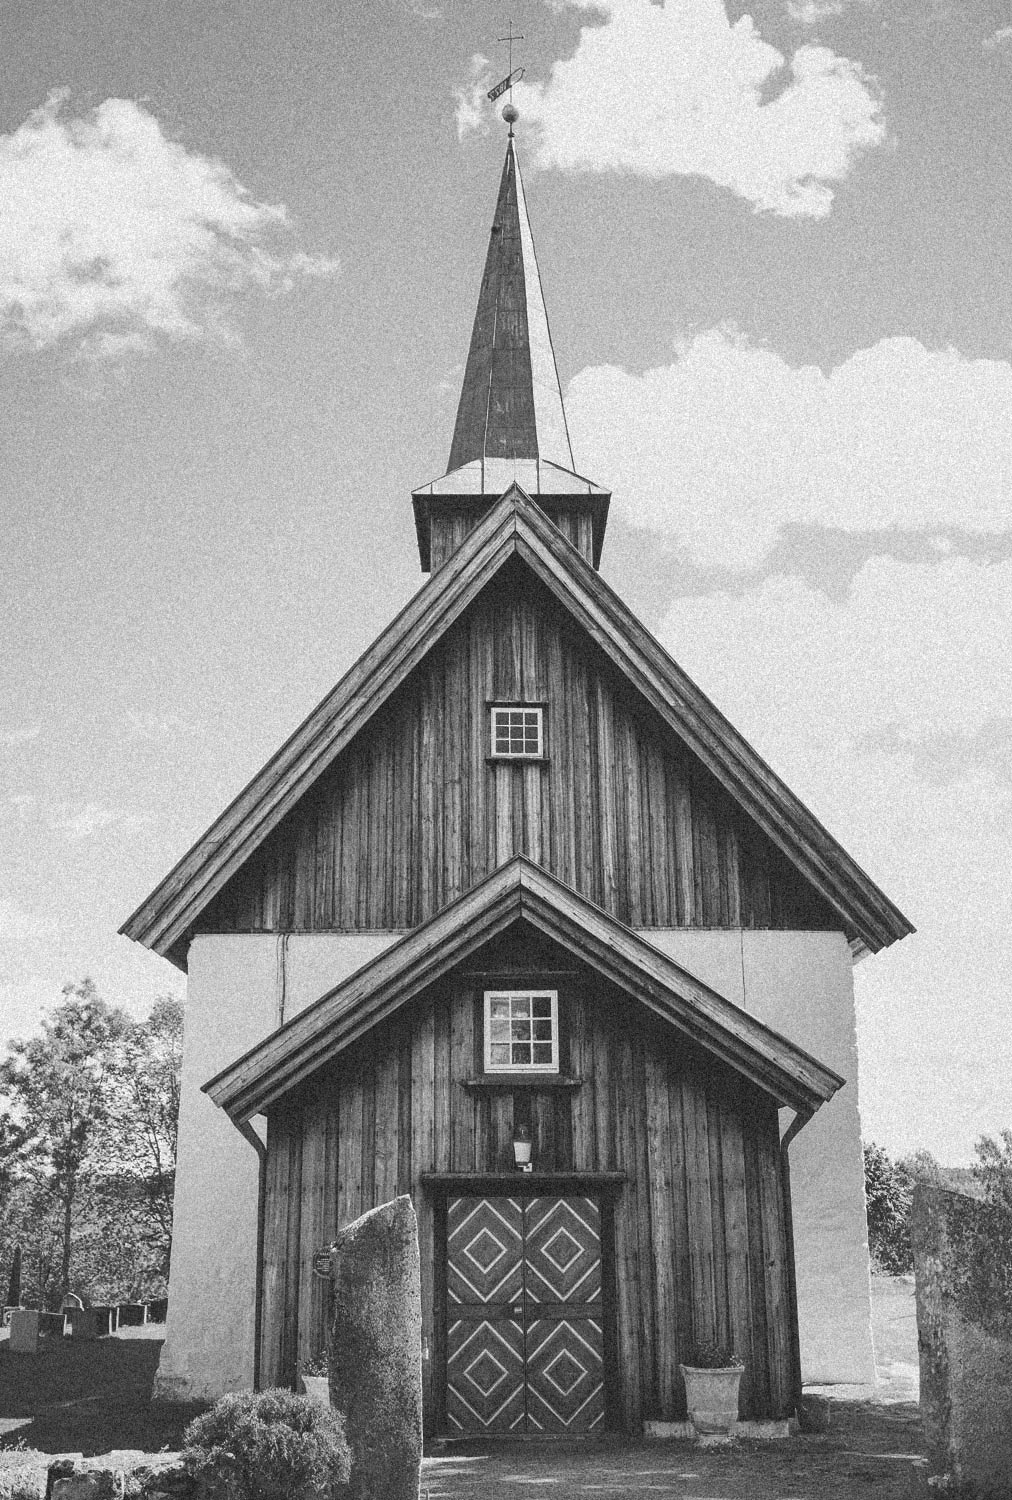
(542, 1005)
(542, 1031)
(542, 1052)
(522, 1052)
(520, 1031)
(521, 1005)
(499, 1007)
(499, 1055)
(500, 1030)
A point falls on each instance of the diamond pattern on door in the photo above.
(565, 1375)
(524, 1316)
(484, 1238)
(562, 1250)
(485, 1376)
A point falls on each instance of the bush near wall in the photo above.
(268, 1445)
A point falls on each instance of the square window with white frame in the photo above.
(521, 1031)
(518, 732)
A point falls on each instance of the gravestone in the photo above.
(964, 1335)
(376, 1350)
(83, 1323)
(24, 1337)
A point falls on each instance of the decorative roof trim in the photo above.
(519, 890)
(514, 527)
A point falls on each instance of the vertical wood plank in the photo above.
(423, 1159)
(275, 1250)
(313, 1226)
(627, 1233)
(461, 1068)
(442, 1099)
(658, 1131)
(736, 1243)
(349, 1180)
(387, 1115)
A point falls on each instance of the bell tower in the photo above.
(511, 422)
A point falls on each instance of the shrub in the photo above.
(714, 1356)
(268, 1445)
(888, 1188)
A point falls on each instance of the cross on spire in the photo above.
(511, 37)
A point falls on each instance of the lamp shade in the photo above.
(522, 1147)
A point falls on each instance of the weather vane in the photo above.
(510, 112)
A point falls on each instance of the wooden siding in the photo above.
(700, 1232)
(448, 527)
(414, 813)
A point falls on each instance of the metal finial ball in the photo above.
(510, 113)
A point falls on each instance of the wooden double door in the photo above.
(525, 1324)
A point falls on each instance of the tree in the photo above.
(141, 1126)
(88, 1148)
(888, 1188)
(58, 1083)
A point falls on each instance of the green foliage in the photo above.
(980, 1233)
(888, 1189)
(709, 1355)
(268, 1445)
(87, 1149)
(22, 1484)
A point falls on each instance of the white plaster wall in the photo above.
(801, 984)
(236, 989)
(238, 986)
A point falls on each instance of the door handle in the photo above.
(516, 1312)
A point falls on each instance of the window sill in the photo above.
(510, 1081)
(516, 760)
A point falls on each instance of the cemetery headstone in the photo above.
(24, 1337)
(83, 1323)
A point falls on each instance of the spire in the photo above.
(511, 401)
(511, 426)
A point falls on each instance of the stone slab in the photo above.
(376, 1350)
(24, 1337)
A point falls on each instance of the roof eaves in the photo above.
(291, 1055)
(162, 918)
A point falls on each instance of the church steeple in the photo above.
(511, 401)
(511, 422)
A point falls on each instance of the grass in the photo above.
(86, 1398)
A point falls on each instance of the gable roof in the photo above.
(523, 891)
(514, 527)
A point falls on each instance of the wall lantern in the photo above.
(522, 1147)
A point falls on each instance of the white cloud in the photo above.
(730, 443)
(672, 89)
(82, 821)
(472, 104)
(112, 235)
(849, 700)
(998, 38)
(811, 12)
(23, 735)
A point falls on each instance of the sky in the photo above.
(240, 249)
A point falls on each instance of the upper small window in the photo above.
(521, 1031)
(518, 732)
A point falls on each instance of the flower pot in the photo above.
(317, 1386)
(712, 1398)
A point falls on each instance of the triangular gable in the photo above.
(514, 527)
(520, 890)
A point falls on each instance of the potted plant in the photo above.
(711, 1389)
(315, 1377)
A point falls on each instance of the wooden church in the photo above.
(516, 895)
